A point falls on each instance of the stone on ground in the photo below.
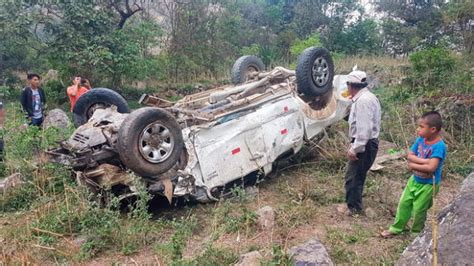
(310, 253)
(266, 217)
(250, 259)
(10, 182)
(56, 118)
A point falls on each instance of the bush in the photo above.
(432, 68)
(300, 45)
(9, 93)
(55, 92)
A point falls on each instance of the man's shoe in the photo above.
(355, 213)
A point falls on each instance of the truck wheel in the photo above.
(314, 72)
(150, 141)
(94, 99)
(244, 67)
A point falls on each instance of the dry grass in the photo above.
(389, 70)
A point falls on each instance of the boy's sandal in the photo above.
(387, 234)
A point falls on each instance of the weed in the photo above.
(341, 255)
(357, 235)
(290, 215)
(279, 257)
(245, 220)
(231, 217)
(173, 249)
(212, 257)
(19, 198)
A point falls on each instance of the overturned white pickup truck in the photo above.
(201, 145)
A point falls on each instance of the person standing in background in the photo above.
(75, 91)
(33, 100)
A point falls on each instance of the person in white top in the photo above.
(364, 129)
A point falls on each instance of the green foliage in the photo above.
(173, 249)
(213, 256)
(432, 67)
(231, 218)
(9, 93)
(361, 37)
(341, 240)
(56, 92)
(239, 193)
(457, 16)
(410, 25)
(253, 49)
(98, 225)
(202, 39)
(300, 45)
(22, 152)
(19, 198)
(357, 235)
(280, 257)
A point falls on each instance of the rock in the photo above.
(250, 259)
(455, 231)
(251, 192)
(310, 253)
(56, 118)
(370, 213)
(266, 217)
(342, 208)
(10, 182)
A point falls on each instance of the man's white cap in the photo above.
(357, 76)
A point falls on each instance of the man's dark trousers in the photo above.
(356, 174)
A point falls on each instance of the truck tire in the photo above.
(150, 142)
(95, 99)
(244, 66)
(314, 72)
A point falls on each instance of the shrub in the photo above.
(55, 92)
(432, 67)
(299, 45)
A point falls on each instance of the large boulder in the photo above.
(455, 233)
(56, 118)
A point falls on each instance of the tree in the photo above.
(360, 37)
(20, 45)
(458, 19)
(410, 24)
(126, 9)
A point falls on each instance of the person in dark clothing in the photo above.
(364, 129)
(33, 100)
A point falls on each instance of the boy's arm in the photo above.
(412, 158)
(430, 167)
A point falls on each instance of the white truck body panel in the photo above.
(220, 153)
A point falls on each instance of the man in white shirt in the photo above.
(364, 129)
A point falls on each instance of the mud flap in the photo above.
(168, 189)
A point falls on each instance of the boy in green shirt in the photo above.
(425, 159)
